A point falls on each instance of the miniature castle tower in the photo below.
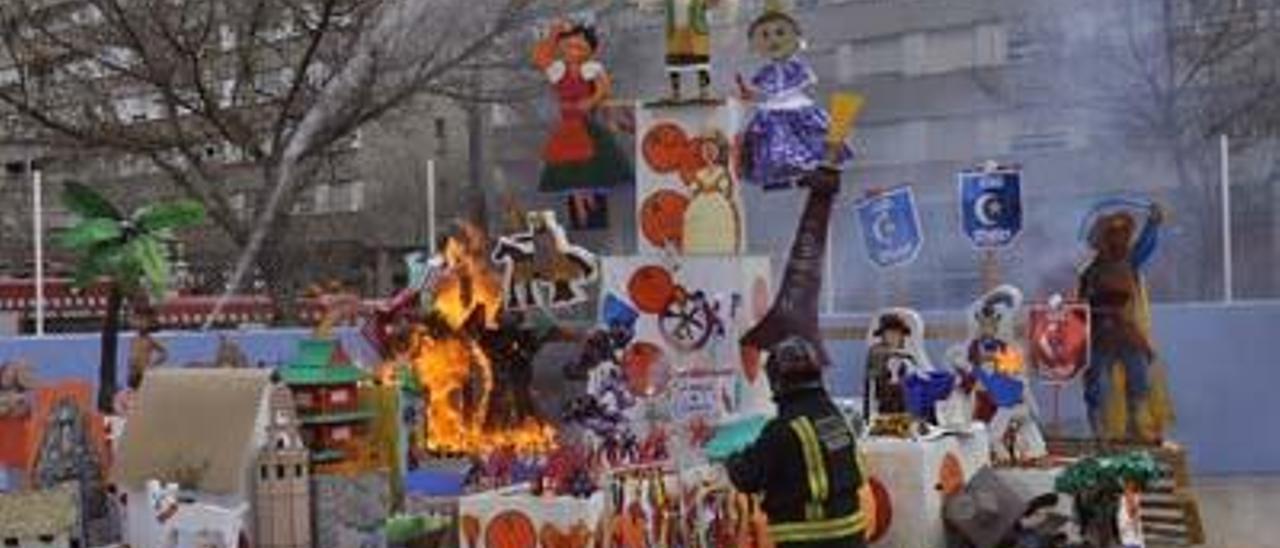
(282, 498)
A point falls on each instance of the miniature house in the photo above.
(47, 518)
(325, 386)
(187, 464)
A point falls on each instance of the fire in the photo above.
(459, 380)
(453, 367)
(1008, 362)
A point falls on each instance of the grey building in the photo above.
(365, 205)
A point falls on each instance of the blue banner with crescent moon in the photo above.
(890, 226)
(991, 206)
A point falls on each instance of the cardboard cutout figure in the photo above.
(1058, 336)
(1124, 386)
(712, 224)
(900, 376)
(542, 268)
(688, 44)
(785, 138)
(581, 152)
(993, 361)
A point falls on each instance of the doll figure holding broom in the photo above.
(785, 137)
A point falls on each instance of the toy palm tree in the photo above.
(127, 251)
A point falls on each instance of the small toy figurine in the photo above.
(581, 153)
(785, 138)
(994, 361)
(886, 364)
(689, 44)
(1121, 352)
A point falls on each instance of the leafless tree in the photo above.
(1169, 77)
(275, 85)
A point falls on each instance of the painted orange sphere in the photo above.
(651, 289)
(662, 218)
(511, 529)
(664, 147)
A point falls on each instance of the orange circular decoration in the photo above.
(951, 475)
(651, 288)
(877, 507)
(664, 147)
(511, 529)
(645, 367)
(662, 218)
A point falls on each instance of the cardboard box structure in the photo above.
(915, 476)
(205, 451)
(515, 517)
(687, 193)
(699, 369)
(47, 518)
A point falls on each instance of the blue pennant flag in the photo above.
(891, 227)
(991, 206)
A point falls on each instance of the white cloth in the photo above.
(589, 70)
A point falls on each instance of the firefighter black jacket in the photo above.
(805, 464)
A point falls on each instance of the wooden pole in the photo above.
(990, 270)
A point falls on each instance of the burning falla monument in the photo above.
(473, 360)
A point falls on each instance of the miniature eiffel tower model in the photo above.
(795, 309)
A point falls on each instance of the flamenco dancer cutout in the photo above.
(712, 224)
(1124, 386)
(785, 138)
(581, 153)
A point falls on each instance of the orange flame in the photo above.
(454, 369)
(1008, 361)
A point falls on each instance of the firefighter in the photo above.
(805, 461)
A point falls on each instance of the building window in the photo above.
(1021, 45)
(297, 470)
(264, 473)
(347, 197)
(279, 471)
(339, 397)
(441, 134)
(341, 433)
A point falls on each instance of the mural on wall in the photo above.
(688, 200)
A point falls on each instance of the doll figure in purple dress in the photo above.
(785, 137)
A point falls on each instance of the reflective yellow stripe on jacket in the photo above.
(808, 531)
(816, 526)
(815, 468)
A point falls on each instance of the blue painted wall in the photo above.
(1224, 374)
(1223, 367)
